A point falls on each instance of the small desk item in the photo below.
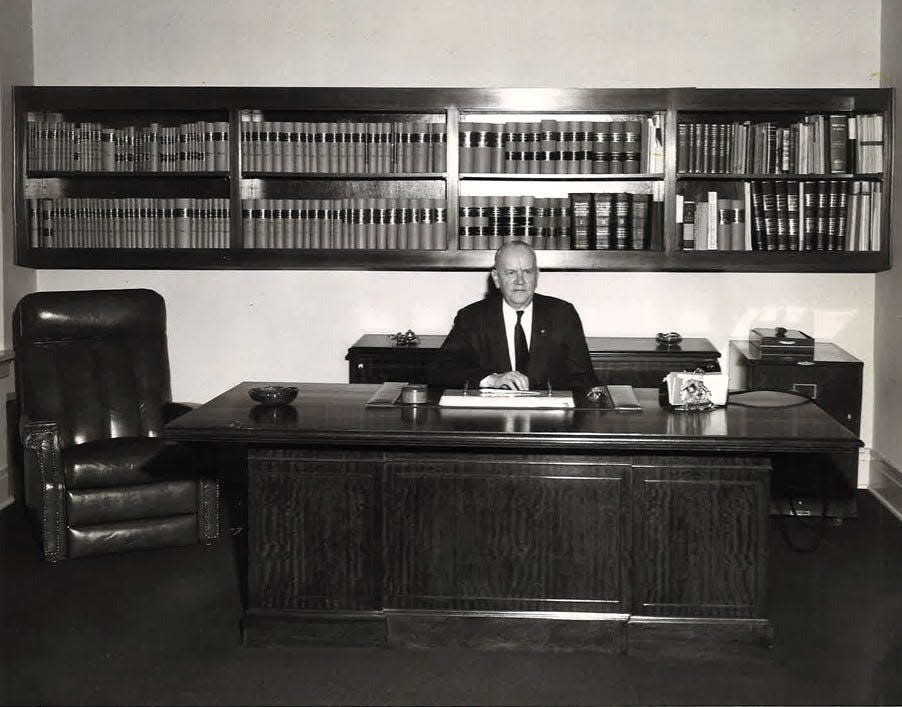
(781, 341)
(623, 397)
(502, 398)
(387, 394)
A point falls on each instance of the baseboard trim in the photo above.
(885, 482)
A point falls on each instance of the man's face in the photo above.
(516, 275)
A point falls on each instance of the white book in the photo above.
(701, 225)
(747, 226)
(712, 220)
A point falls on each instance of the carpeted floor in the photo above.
(160, 627)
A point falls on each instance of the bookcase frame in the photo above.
(228, 102)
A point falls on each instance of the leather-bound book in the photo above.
(632, 146)
(601, 150)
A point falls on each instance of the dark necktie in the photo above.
(521, 351)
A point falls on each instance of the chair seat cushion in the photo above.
(126, 460)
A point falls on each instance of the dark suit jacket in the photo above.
(477, 346)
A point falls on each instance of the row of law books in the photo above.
(817, 144)
(603, 221)
(563, 147)
(362, 224)
(386, 147)
(129, 223)
(54, 144)
(776, 215)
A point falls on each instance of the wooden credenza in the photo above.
(618, 360)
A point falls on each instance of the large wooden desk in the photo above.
(579, 529)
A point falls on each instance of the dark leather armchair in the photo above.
(92, 384)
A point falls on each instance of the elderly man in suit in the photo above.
(518, 340)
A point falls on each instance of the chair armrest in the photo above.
(45, 487)
(173, 410)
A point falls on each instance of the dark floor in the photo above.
(159, 627)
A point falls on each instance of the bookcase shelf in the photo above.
(711, 176)
(355, 199)
(479, 176)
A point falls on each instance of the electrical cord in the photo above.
(794, 399)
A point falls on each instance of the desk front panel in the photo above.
(506, 532)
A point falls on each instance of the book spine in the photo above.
(737, 224)
(440, 147)
(466, 140)
(822, 214)
(793, 214)
(781, 202)
(839, 143)
(689, 241)
(603, 219)
(639, 221)
(724, 224)
(632, 148)
(621, 208)
(581, 221)
(618, 147)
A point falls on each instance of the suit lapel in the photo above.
(498, 338)
(538, 349)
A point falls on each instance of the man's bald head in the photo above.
(516, 273)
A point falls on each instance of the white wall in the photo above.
(231, 326)
(888, 319)
(16, 57)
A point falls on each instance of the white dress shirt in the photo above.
(510, 321)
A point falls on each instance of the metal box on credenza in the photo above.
(833, 379)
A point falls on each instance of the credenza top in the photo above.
(332, 414)
(598, 345)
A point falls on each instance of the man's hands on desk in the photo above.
(512, 380)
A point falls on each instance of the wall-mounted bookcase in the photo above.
(790, 180)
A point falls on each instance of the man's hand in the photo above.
(513, 380)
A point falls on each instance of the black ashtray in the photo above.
(273, 394)
(274, 414)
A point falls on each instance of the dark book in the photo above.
(833, 214)
(769, 210)
(603, 206)
(809, 215)
(683, 147)
(842, 207)
(793, 214)
(601, 156)
(782, 209)
(582, 228)
(639, 221)
(631, 146)
(839, 144)
(822, 212)
(724, 224)
(618, 146)
(688, 225)
(621, 207)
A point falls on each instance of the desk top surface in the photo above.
(335, 414)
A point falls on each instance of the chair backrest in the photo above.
(96, 362)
